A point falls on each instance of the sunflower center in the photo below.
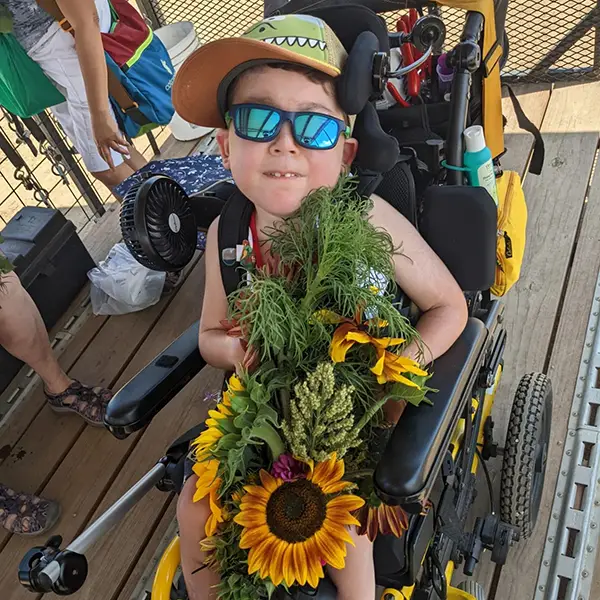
(296, 510)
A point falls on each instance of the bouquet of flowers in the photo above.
(288, 454)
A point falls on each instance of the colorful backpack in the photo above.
(140, 71)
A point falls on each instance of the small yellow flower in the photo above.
(390, 366)
(348, 334)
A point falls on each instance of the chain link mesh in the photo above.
(550, 40)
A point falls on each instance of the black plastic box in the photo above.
(51, 262)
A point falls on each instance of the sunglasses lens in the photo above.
(316, 131)
(256, 123)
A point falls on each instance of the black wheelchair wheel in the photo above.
(526, 453)
(472, 587)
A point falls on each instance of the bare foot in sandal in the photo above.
(26, 514)
(87, 402)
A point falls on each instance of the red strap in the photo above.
(255, 244)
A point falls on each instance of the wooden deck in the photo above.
(86, 469)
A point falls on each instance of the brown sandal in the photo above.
(26, 514)
(88, 402)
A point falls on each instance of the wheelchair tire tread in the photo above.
(520, 452)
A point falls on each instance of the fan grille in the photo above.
(158, 224)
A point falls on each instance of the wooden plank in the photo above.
(555, 202)
(521, 572)
(101, 235)
(113, 557)
(142, 574)
(25, 413)
(534, 101)
(91, 464)
(173, 148)
(111, 560)
(36, 454)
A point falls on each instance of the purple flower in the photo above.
(286, 467)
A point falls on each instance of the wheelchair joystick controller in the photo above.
(69, 569)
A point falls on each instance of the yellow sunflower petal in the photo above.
(300, 563)
(401, 379)
(290, 572)
(335, 487)
(347, 502)
(339, 349)
(337, 532)
(324, 470)
(257, 493)
(361, 337)
(235, 385)
(342, 516)
(215, 416)
(259, 555)
(314, 566)
(251, 518)
(276, 567)
(330, 551)
(377, 369)
(270, 484)
(253, 536)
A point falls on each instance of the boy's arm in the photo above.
(83, 17)
(216, 347)
(425, 279)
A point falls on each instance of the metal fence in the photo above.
(40, 167)
(550, 40)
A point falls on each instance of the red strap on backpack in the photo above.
(129, 33)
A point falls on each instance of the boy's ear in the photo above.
(222, 138)
(349, 154)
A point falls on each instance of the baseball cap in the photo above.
(200, 87)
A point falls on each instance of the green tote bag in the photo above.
(24, 89)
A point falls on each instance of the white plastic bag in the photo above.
(121, 285)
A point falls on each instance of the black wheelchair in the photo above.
(436, 453)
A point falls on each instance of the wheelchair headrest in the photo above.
(363, 33)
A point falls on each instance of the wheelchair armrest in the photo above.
(150, 390)
(414, 454)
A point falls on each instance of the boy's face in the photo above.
(259, 168)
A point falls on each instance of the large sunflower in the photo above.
(292, 528)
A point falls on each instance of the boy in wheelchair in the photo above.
(283, 134)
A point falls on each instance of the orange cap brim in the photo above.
(198, 79)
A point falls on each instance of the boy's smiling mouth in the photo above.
(282, 174)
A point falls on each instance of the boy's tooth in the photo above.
(291, 40)
(301, 41)
(313, 43)
(279, 40)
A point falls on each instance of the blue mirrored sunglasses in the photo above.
(312, 130)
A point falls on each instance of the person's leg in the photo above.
(356, 581)
(23, 334)
(26, 514)
(192, 517)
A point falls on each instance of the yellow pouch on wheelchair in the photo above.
(512, 224)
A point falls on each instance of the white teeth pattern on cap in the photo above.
(292, 40)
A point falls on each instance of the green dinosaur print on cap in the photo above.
(302, 34)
